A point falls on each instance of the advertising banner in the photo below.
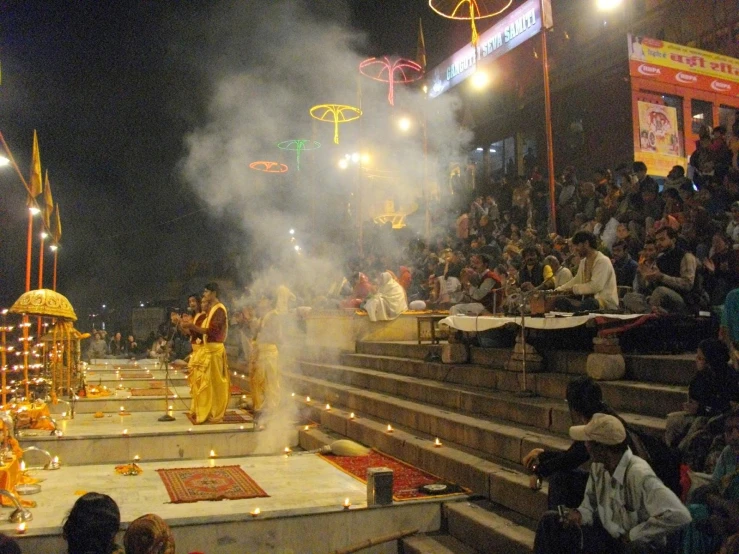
(681, 65)
(511, 30)
(659, 140)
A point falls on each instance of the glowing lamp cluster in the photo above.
(470, 10)
(391, 71)
(298, 146)
(268, 167)
(336, 114)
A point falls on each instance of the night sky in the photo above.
(112, 89)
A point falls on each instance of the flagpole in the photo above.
(54, 278)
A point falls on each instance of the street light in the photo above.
(480, 79)
(404, 124)
(607, 5)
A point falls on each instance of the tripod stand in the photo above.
(164, 360)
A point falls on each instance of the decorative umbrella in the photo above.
(299, 145)
(49, 303)
(470, 10)
(335, 113)
(391, 71)
(268, 167)
(44, 302)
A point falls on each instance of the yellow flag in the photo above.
(58, 229)
(48, 202)
(421, 50)
(35, 184)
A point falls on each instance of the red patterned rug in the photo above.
(209, 483)
(150, 392)
(407, 480)
(230, 416)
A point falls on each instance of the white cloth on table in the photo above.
(389, 301)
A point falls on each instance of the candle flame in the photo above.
(212, 453)
(256, 512)
(347, 503)
(307, 398)
(389, 428)
(352, 416)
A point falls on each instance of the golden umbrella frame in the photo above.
(49, 303)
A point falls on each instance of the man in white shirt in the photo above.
(595, 280)
(626, 508)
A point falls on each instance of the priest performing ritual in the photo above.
(209, 379)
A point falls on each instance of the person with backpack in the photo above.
(566, 478)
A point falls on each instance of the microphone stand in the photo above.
(165, 360)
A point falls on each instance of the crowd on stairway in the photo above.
(673, 242)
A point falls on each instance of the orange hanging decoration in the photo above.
(268, 167)
(470, 10)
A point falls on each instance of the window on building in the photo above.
(701, 115)
(727, 115)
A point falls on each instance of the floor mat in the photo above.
(209, 483)
(407, 480)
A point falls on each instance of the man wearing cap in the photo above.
(626, 508)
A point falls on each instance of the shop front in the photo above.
(677, 91)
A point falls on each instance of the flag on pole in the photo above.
(48, 202)
(421, 50)
(58, 228)
(35, 184)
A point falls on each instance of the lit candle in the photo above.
(23, 466)
(21, 529)
(287, 451)
(121, 409)
(255, 512)
(347, 504)
(241, 427)
(189, 430)
(352, 416)
(307, 398)
(437, 442)
(389, 428)
(125, 432)
(328, 406)
(136, 459)
(306, 428)
(293, 394)
(212, 454)
(55, 460)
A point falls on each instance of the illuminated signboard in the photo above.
(515, 28)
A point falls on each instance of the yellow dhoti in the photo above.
(264, 377)
(210, 385)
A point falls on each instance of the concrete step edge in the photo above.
(492, 523)
(438, 544)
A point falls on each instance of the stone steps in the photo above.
(623, 396)
(489, 528)
(434, 544)
(542, 413)
(508, 442)
(672, 370)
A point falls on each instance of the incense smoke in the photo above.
(267, 65)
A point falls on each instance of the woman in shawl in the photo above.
(388, 302)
